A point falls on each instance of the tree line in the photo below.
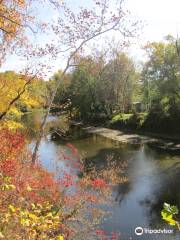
(100, 88)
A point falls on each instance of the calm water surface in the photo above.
(154, 178)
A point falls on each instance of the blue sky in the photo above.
(160, 17)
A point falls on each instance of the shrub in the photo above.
(34, 205)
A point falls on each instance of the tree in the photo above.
(77, 28)
(161, 78)
(119, 79)
(14, 20)
(84, 88)
(100, 85)
(17, 94)
(62, 94)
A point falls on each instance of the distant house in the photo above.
(138, 106)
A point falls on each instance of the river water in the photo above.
(154, 178)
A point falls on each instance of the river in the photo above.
(154, 178)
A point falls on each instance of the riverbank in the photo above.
(153, 124)
(134, 138)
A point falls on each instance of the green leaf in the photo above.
(171, 209)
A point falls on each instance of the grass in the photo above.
(122, 116)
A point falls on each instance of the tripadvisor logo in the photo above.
(139, 231)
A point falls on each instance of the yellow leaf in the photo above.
(60, 237)
(12, 208)
(25, 222)
(29, 189)
(32, 216)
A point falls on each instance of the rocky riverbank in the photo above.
(116, 135)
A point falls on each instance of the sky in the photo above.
(159, 17)
(162, 17)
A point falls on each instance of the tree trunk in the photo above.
(43, 124)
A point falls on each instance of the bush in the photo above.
(160, 122)
(28, 194)
(35, 206)
(128, 121)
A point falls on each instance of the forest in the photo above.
(58, 181)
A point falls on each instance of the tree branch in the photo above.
(3, 114)
(16, 23)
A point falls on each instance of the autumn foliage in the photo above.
(36, 206)
(14, 19)
(27, 193)
(14, 163)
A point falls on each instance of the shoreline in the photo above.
(136, 138)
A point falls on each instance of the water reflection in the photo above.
(140, 204)
(154, 178)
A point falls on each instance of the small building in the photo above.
(138, 106)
